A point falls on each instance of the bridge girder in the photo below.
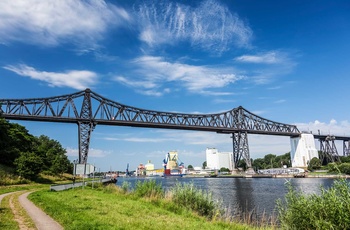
(95, 109)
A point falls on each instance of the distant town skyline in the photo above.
(283, 60)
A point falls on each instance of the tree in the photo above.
(204, 164)
(53, 155)
(223, 169)
(190, 167)
(345, 159)
(258, 164)
(314, 164)
(14, 139)
(270, 161)
(242, 164)
(28, 165)
(345, 168)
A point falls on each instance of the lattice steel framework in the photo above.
(329, 149)
(346, 147)
(95, 109)
(85, 128)
(241, 149)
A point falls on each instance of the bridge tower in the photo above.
(328, 148)
(346, 147)
(85, 127)
(240, 149)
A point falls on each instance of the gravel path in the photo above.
(41, 220)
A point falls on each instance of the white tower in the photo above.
(302, 150)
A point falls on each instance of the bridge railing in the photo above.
(61, 187)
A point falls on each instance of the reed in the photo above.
(328, 210)
(150, 189)
(195, 199)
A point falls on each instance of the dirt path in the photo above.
(41, 220)
(3, 195)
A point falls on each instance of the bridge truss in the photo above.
(87, 109)
(329, 149)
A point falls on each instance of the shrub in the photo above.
(345, 168)
(314, 164)
(110, 188)
(188, 196)
(333, 167)
(329, 210)
(149, 189)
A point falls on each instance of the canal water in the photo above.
(237, 195)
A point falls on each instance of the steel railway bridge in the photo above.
(88, 109)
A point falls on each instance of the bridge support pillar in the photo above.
(240, 149)
(346, 147)
(85, 127)
(328, 149)
(84, 132)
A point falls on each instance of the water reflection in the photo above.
(245, 194)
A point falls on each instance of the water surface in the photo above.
(244, 194)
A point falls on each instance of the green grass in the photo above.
(112, 209)
(6, 216)
(14, 188)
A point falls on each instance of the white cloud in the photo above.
(92, 152)
(271, 57)
(210, 25)
(77, 79)
(156, 72)
(333, 127)
(50, 23)
(270, 65)
(144, 84)
(224, 101)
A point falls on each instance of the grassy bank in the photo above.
(114, 208)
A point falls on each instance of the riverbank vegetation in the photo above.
(149, 206)
(146, 206)
(328, 210)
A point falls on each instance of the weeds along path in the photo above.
(12, 215)
(20, 213)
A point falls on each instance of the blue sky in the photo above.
(286, 61)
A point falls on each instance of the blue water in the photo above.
(244, 194)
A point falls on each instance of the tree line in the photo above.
(31, 155)
(342, 165)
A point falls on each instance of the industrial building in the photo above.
(217, 160)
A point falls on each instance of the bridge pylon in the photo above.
(85, 127)
(240, 149)
(329, 149)
(346, 147)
